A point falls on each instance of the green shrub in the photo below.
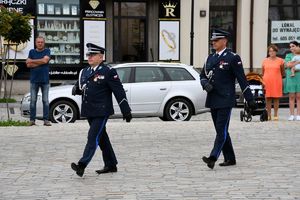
(14, 123)
(9, 100)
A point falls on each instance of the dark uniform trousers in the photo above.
(97, 136)
(221, 72)
(221, 118)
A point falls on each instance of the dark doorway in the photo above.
(222, 15)
(129, 32)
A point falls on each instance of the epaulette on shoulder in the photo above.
(234, 54)
(103, 66)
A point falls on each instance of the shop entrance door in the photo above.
(129, 32)
(222, 14)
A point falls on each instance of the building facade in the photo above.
(154, 30)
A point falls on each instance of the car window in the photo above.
(124, 74)
(148, 74)
(179, 74)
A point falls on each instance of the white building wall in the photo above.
(260, 32)
(185, 28)
(243, 31)
(201, 33)
(201, 25)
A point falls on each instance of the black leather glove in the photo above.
(76, 90)
(208, 87)
(127, 117)
(252, 105)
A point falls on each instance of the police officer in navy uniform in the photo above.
(218, 76)
(96, 84)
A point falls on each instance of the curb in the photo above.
(11, 105)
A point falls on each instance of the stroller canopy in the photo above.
(254, 78)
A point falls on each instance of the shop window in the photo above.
(58, 22)
(284, 24)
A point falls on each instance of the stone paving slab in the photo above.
(157, 160)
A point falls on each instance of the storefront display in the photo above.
(62, 38)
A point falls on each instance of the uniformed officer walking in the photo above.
(218, 76)
(96, 84)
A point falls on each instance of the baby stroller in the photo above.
(257, 88)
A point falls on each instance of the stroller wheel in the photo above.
(248, 118)
(264, 116)
(242, 115)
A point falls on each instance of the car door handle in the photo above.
(163, 88)
(126, 90)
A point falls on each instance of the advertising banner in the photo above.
(93, 9)
(94, 32)
(169, 40)
(285, 31)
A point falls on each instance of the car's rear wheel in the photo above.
(63, 112)
(163, 118)
(178, 110)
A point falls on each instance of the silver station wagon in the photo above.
(170, 91)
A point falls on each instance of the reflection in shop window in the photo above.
(58, 22)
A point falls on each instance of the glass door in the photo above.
(129, 32)
(222, 15)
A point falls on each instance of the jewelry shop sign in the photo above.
(169, 9)
(169, 30)
(285, 31)
(21, 6)
(93, 9)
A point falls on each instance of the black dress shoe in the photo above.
(209, 161)
(227, 163)
(107, 170)
(78, 169)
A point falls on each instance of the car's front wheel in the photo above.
(178, 110)
(63, 112)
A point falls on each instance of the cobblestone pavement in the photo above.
(157, 160)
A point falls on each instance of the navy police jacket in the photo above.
(221, 72)
(97, 88)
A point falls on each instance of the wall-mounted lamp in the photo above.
(202, 13)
